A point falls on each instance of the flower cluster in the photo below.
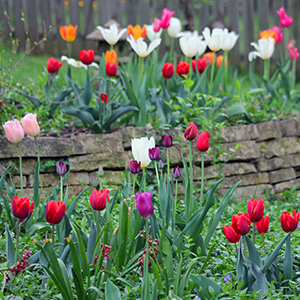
(21, 264)
(153, 250)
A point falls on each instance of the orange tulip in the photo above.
(220, 60)
(68, 33)
(136, 31)
(266, 34)
(111, 56)
(209, 57)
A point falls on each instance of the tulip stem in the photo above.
(133, 184)
(212, 73)
(61, 188)
(263, 238)
(253, 233)
(245, 250)
(98, 222)
(146, 287)
(53, 235)
(156, 171)
(266, 69)
(175, 202)
(191, 171)
(21, 173)
(225, 70)
(168, 164)
(144, 176)
(17, 238)
(202, 178)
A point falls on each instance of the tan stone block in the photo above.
(289, 127)
(282, 175)
(283, 186)
(238, 133)
(268, 130)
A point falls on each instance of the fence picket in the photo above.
(33, 24)
(131, 12)
(60, 17)
(4, 20)
(75, 20)
(19, 23)
(89, 24)
(248, 32)
(233, 24)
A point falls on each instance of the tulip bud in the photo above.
(21, 207)
(262, 226)
(127, 162)
(103, 97)
(111, 69)
(154, 153)
(174, 28)
(201, 65)
(135, 166)
(289, 223)
(156, 25)
(168, 70)
(167, 140)
(68, 33)
(231, 234)
(87, 56)
(100, 172)
(55, 211)
(203, 141)
(30, 125)
(61, 168)
(14, 131)
(255, 210)
(160, 165)
(144, 204)
(191, 132)
(176, 173)
(98, 199)
(241, 223)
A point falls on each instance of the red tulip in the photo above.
(21, 207)
(86, 56)
(263, 225)
(111, 69)
(183, 68)
(241, 223)
(53, 65)
(55, 211)
(135, 166)
(203, 141)
(167, 70)
(255, 210)
(98, 199)
(201, 65)
(231, 234)
(191, 132)
(104, 97)
(289, 223)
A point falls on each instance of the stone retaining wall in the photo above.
(264, 156)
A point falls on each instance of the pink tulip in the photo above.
(290, 45)
(156, 25)
(279, 35)
(14, 131)
(165, 18)
(30, 125)
(294, 53)
(285, 20)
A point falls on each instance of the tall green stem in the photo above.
(146, 287)
(61, 188)
(53, 235)
(175, 204)
(168, 164)
(191, 171)
(253, 233)
(225, 70)
(212, 73)
(17, 238)
(21, 173)
(144, 175)
(245, 250)
(266, 69)
(293, 70)
(202, 178)
(133, 184)
(98, 222)
(156, 171)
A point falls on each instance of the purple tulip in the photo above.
(144, 204)
(176, 173)
(154, 153)
(160, 164)
(167, 140)
(135, 166)
(61, 168)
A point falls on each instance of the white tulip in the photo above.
(141, 48)
(264, 49)
(77, 63)
(192, 45)
(140, 150)
(230, 39)
(174, 28)
(111, 35)
(151, 34)
(188, 34)
(214, 39)
(202, 45)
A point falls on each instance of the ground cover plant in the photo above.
(144, 241)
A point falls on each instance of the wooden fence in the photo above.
(28, 20)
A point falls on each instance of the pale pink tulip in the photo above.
(14, 131)
(294, 53)
(30, 125)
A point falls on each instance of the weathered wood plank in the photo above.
(203, 16)
(173, 5)
(49, 44)
(233, 24)
(248, 32)
(60, 18)
(263, 14)
(276, 5)
(116, 10)
(33, 29)
(19, 23)
(131, 12)
(89, 24)
(74, 12)
(144, 9)
(4, 14)
(103, 11)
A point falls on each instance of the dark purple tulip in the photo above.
(144, 204)
(154, 153)
(61, 168)
(167, 140)
(135, 166)
(176, 173)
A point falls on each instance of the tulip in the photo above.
(241, 223)
(86, 56)
(135, 166)
(61, 168)
(191, 132)
(165, 18)
(152, 34)
(112, 35)
(189, 46)
(174, 28)
(55, 211)
(294, 54)
(30, 125)
(285, 20)
(53, 65)
(136, 32)
(214, 39)
(201, 65)
(255, 210)
(98, 199)
(263, 225)
(289, 223)
(154, 153)
(167, 70)
(176, 173)
(210, 57)
(140, 150)
(77, 64)
(155, 26)
(21, 207)
(264, 49)
(203, 141)
(141, 48)
(202, 45)
(290, 44)
(111, 69)
(266, 34)
(103, 97)
(219, 61)
(182, 68)
(68, 33)
(231, 234)
(127, 162)
(111, 56)
(230, 39)
(14, 131)
(279, 35)
(144, 204)
(167, 140)
(160, 165)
